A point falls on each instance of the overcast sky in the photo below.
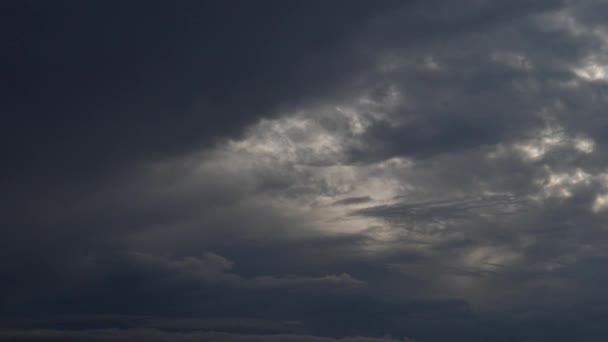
(304, 170)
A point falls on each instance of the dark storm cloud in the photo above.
(307, 171)
(95, 87)
(92, 86)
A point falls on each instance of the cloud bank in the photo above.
(306, 171)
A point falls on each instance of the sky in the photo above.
(304, 170)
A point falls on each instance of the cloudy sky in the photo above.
(305, 170)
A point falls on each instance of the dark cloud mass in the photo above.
(353, 171)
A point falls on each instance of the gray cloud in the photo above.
(445, 210)
(353, 200)
(423, 169)
(215, 269)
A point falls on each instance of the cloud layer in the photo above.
(414, 170)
